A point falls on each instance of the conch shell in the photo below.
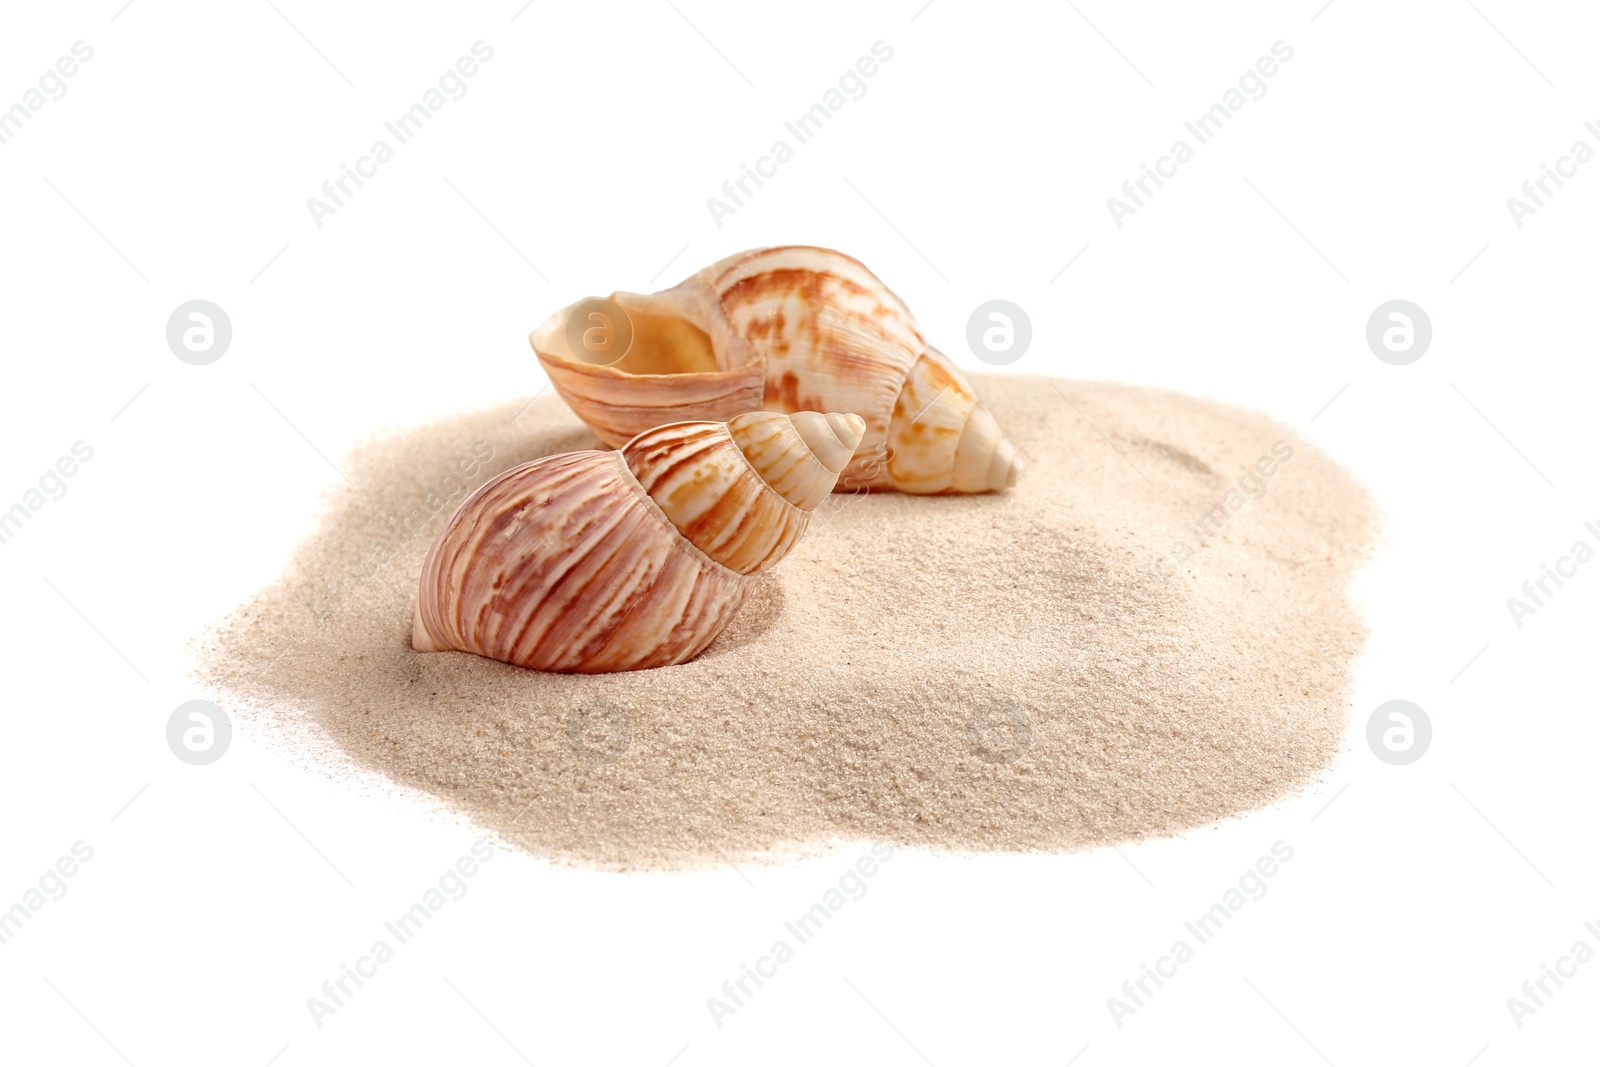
(787, 329)
(615, 561)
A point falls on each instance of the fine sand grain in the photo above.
(1148, 634)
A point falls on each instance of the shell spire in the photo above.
(611, 561)
(787, 329)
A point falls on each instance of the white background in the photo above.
(977, 165)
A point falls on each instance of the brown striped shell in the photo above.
(615, 561)
(789, 329)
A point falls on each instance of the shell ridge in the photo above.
(560, 477)
(684, 578)
(577, 562)
(467, 544)
(555, 589)
(787, 513)
(580, 637)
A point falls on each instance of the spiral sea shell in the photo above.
(788, 329)
(614, 561)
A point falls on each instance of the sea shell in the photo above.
(615, 561)
(785, 329)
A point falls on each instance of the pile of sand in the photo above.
(1149, 633)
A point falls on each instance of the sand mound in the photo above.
(1149, 633)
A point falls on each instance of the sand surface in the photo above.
(1148, 634)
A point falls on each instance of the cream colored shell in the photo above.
(612, 561)
(790, 329)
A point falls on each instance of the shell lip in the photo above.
(604, 371)
(726, 345)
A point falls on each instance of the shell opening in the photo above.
(655, 359)
(664, 341)
(782, 330)
(656, 334)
